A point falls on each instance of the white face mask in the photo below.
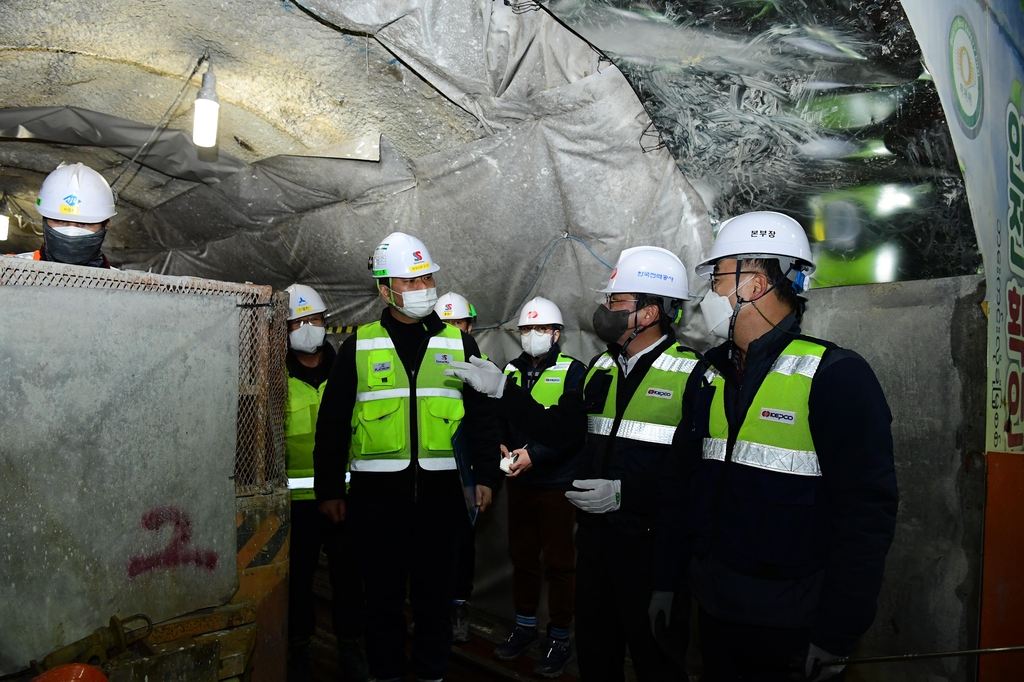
(417, 304)
(717, 312)
(69, 231)
(307, 339)
(536, 344)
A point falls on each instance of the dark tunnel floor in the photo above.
(471, 661)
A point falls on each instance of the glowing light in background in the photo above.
(885, 265)
(892, 199)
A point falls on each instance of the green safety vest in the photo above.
(381, 427)
(549, 385)
(775, 434)
(656, 408)
(299, 436)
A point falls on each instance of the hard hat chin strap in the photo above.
(637, 330)
(391, 294)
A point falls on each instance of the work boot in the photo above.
(519, 641)
(351, 663)
(557, 653)
(460, 622)
(300, 664)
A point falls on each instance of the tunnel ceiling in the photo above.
(821, 111)
(288, 84)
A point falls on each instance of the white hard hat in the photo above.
(75, 193)
(302, 301)
(760, 234)
(401, 255)
(540, 311)
(452, 306)
(649, 270)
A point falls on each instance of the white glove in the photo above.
(661, 602)
(482, 375)
(598, 495)
(814, 671)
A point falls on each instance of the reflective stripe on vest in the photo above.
(307, 482)
(775, 434)
(405, 393)
(799, 462)
(634, 430)
(656, 407)
(304, 483)
(549, 385)
(380, 419)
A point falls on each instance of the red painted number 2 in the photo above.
(177, 552)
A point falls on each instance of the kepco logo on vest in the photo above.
(659, 393)
(780, 416)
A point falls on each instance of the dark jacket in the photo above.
(639, 466)
(553, 468)
(781, 550)
(334, 431)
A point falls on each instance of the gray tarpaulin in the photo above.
(119, 499)
(562, 158)
(171, 151)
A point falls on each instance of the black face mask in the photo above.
(84, 250)
(610, 325)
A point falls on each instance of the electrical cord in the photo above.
(164, 120)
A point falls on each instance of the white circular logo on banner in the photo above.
(965, 69)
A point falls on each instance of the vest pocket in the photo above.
(298, 422)
(381, 428)
(439, 417)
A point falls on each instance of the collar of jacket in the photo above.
(615, 349)
(431, 323)
(764, 349)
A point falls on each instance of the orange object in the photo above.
(72, 672)
(1002, 582)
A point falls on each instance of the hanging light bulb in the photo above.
(204, 125)
(5, 220)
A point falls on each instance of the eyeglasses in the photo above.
(542, 328)
(317, 321)
(609, 301)
(717, 277)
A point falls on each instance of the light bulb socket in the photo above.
(209, 87)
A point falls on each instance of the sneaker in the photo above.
(519, 641)
(351, 664)
(557, 653)
(300, 664)
(460, 622)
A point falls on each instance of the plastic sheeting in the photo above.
(120, 498)
(170, 151)
(818, 109)
(564, 160)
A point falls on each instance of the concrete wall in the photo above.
(926, 343)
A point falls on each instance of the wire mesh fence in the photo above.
(262, 347)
